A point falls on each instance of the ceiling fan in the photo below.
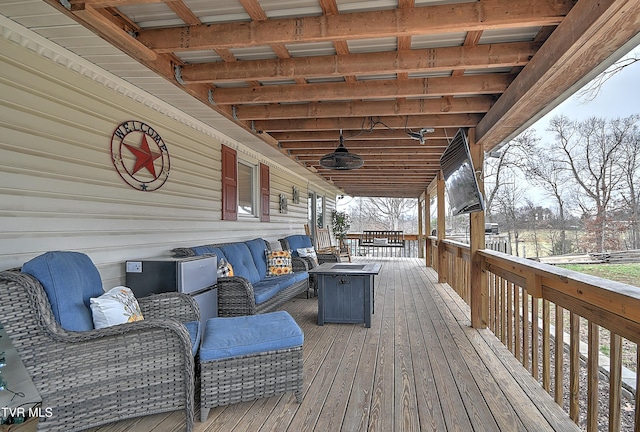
(420, 134)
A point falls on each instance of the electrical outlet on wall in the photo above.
(134, 266)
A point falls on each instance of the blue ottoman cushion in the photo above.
(244, 335)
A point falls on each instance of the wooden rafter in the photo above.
(473, 16)
(410, 61)
(386, 76)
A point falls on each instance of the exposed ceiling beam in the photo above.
(410, 61)
(389, 156)
(397, 122)
(481, 15)
(370, 89)
(436, 145)
(359, 134)
(477, 104)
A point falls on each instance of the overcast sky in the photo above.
(619, 97)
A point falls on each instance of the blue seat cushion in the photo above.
(258, 247)
(265, 289)
(70, 279)
(195, 334)
(239, 256)
(298, 241)
(244, 335)
(287, 280)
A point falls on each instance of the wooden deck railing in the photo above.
(538, 310)
(411, 247)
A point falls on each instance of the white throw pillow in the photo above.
(116, 306)
(308, 252)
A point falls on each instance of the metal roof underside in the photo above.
(285, 77)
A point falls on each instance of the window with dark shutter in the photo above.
(229, 184)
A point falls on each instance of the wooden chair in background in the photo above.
(324, 244)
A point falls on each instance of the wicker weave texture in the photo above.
(235, 297)
(246, 378)
(100, 376)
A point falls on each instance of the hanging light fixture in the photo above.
(341, 159)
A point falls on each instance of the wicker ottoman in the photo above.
(249, 357)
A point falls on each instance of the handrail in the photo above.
(617, 304)
(537, 310)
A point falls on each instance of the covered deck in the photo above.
(420, 366)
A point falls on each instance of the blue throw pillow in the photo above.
(70, 280)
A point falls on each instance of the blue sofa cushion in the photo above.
(265, 289)
(244, 335)
(298, 241)
(257, 248)
(240, 258)
(287, 280)
(70, 280)
(195, 334)
(203, 250)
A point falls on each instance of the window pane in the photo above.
(320, 211)
(245, 189)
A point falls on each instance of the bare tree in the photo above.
(589, 150)
(591, 90)
(505, 163)
(387, 213)
(548, 172)
(507, 200)
(630, 164)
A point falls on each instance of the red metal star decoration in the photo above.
(144, 157)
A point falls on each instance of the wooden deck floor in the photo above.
(420, 367)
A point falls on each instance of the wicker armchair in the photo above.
(90, 378)
(296, 241)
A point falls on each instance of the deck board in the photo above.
(419, 367)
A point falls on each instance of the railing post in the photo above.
(420, 229)
(442, 250)
(479, 291)
(427, 223)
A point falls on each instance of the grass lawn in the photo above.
(626, 273)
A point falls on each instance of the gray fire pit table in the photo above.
(345, 292)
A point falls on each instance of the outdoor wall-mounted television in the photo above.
(459, 176)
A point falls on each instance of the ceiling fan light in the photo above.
(341, 159)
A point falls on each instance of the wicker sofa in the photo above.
(89, 377)
(250, 291)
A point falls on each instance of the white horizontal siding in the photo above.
(59, 189)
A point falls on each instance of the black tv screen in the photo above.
(459, 176)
